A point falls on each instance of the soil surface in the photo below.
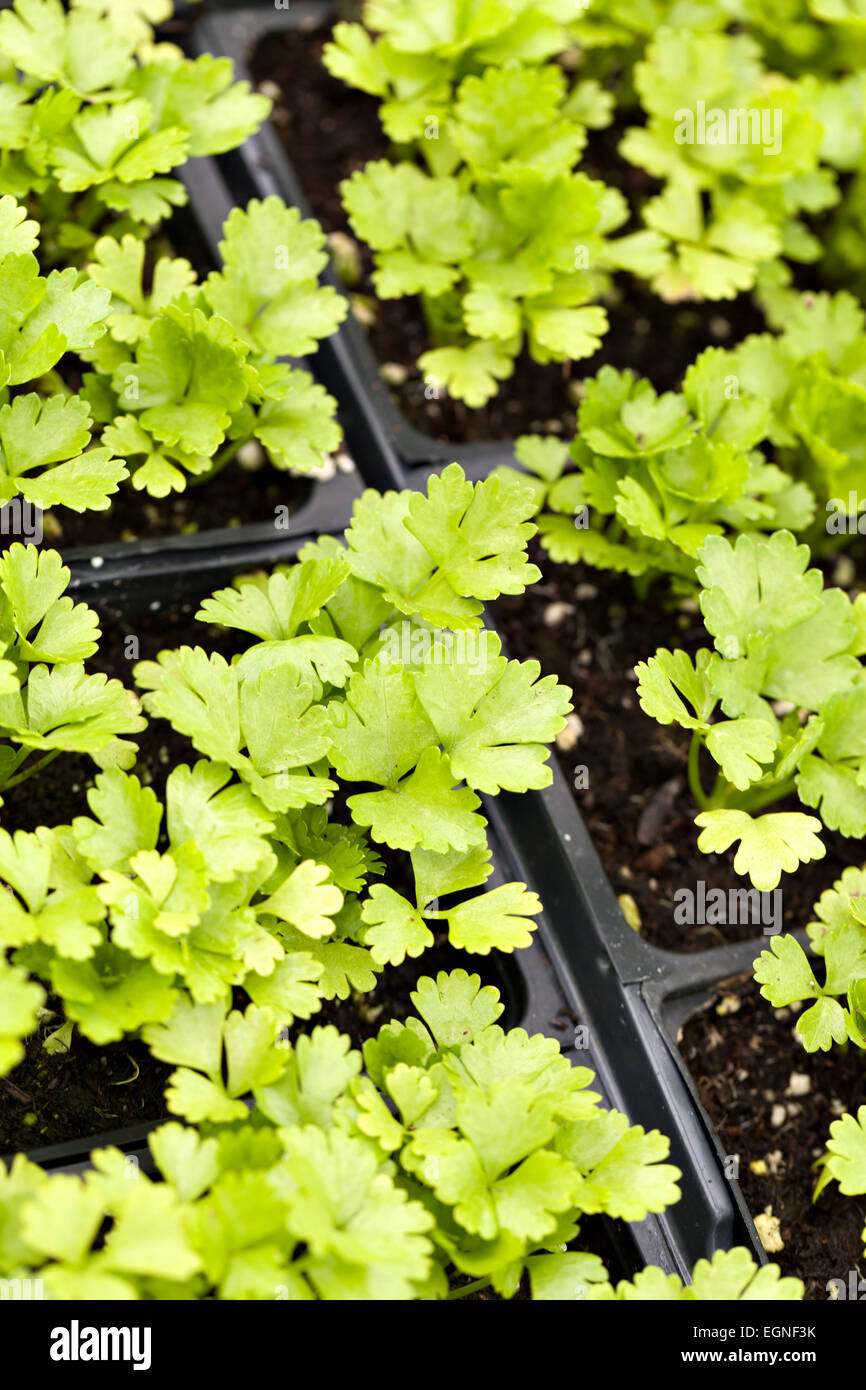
(588, 629)
(330, 130)
(750, 1066)
(234, 497)
(89, 1090)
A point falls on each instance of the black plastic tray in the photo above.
(636, 996)
(586, 963)
(210, 203)
(585, 967)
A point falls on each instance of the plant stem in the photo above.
(35, 767)
(776, 791)
(225, 456)
(470, 1288)
(695, 772)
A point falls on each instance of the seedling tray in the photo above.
(345, 363)
(610, 1000)
(200, 224)
(614, 1002)
(633, 997)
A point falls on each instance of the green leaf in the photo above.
(49, 626)
(425, 809)
(306, 899)
(20, 1000)
(268, 288)
(493, 717)
(187, 1161)
(620, 417)
(755, 587)
(455, 1007)
(381, 730)
(476, 534)
(187, 380)
(846, 1154)
(298, 428)
(192, 1037)
(495, 920)
(127, 820)
(740, 746)
(78, 49)
(769, 844)
(668, 674)
(18, 233)
(469, 374)
(394, 928)
(317, 1073)
(200, 96)
(784, 973)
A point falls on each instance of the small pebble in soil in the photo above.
(394, 373)
(844, 572)
(569, 736)
(778, 1116)
(251, 456)
(346, 257)
(556, 613)
(767, 1226)
(759, 1167)
(270, 90)
(363, 309)
(730, 1004)
(799, 1085)
(585, 593)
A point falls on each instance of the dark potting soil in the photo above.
(743, 1059)
(627, 771)
(330, 130)
(79, 1093)
(234, 497)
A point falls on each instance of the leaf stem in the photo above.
(34, 767)
(224, 457)
(775, 791)
(466, 1289)
(695, 785)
